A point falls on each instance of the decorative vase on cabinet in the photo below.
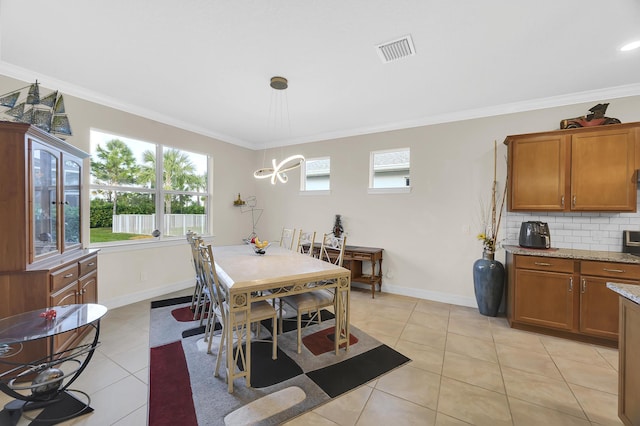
(488, 283)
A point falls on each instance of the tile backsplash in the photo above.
(586, 231)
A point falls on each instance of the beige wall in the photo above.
(428, 235)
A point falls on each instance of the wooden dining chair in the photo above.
(260, 310)
(305, 242)
(287, 238)
(310, 303)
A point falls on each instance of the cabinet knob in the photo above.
(68, 275)
(570, 283)
(584, 285)
(542, 263)
(562, 201)
(619, 271)
(573, 201)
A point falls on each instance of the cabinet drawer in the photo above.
(88, 265)
(361, 256)
(63, 277)
(542, 263)
(610, 269)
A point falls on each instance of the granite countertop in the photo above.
(605, 256)
(630, 291)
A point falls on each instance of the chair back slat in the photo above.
(287, 238)
(211, 280)
(305, 242)
(330, 245)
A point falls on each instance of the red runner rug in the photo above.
(168, 370)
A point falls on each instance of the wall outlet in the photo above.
(144, 276)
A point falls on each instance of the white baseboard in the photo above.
(424, 294)
(147, 294)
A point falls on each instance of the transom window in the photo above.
(390, 169)
(315, 175)
(141, 190)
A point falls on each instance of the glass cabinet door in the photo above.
(71, 200)
(44, 173)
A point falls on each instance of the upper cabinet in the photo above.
(586, 169)
(40, 196)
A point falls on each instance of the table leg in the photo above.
(341, 308)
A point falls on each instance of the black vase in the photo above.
(488, 284)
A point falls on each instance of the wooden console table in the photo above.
(353, 258)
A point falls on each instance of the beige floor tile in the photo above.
(379, 326)
(422, 356)
(143, 375)
(430, 320)
(432, 307)
(99, 374)
(518, 339)
(385, 409)
(526, 414)
(528, 361)
(310, 419)
(134, 359)
(601, 407)
(478, 328)
(396, 301)
(413, 384)
(424, 336)
(610, 355)
(444, 420)
(393, 313)
(421, 329)
(604, 379)
(577, 351)
(137, 418)
(473, 404)
(346, 409)
(128, 395)
(466, 311)
(542, 391)
(470, 346)
(474, 371)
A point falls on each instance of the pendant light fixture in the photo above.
(278, 170)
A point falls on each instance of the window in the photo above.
(390, 169)
(126, 201)
(315, 174)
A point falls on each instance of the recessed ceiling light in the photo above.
(630, 46)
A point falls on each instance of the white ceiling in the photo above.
(205, 65)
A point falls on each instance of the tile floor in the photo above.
(466, 369)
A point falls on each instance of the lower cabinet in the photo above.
(70, 280)
(566, 297)
(629, 368)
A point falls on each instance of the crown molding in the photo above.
(598, 95)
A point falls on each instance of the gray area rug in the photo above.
(211, 400)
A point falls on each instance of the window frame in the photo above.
(391, 189)
(303, 177)
(155, 190)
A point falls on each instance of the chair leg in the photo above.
(274, 337)
(299, 331)
(223, 338)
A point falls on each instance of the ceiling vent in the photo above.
(396, 49)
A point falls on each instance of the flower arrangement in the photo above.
(491, 216)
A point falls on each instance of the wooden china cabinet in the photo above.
(42, 260)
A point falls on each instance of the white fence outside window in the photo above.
(145, 224)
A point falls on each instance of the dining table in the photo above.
(247, 277)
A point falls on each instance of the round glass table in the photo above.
(44, 383)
